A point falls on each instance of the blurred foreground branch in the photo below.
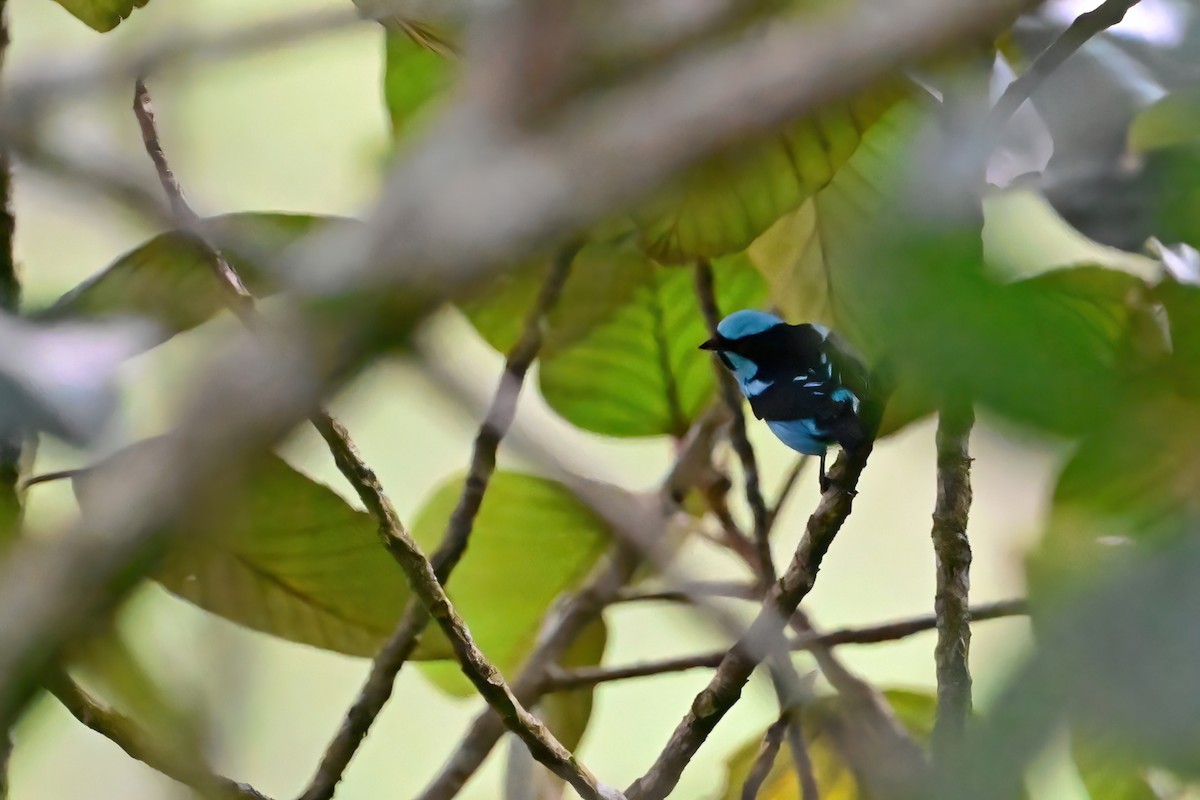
(1085, 26)
(138, 744)
(424, 242)
(404, 639)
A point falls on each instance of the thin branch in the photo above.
(882, 753)
(953, 551)
(576, 614)
(706, 293)
(542, 744)
(767, 751)
(801, 761)
(139, 744)
(563, 679)
(732, 589)
(1076, 35)
(240, 299)
(488, 681)
(735, 668)
(579, 610)
(400, 645)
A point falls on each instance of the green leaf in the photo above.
(101, 15)
(812, 258)
(1172, 120)
(1108, 774)
(531, 533)
(723, 204)
(638, 371)
(287, 556)
(826, 740)
(169, 278)
(418, 68)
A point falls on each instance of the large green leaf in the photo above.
(1108, 775)
(813, 261)
(829, 748)
(418, 68)
(102, 15)
(813, 257)
(169, 278)
(532, 541)
(639, 372)
(289, 557)
(1172, 120)
(723, 204)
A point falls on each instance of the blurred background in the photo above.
(235, 132)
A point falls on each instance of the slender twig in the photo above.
(767, 751)
(953, 552)
(801, 761)
(139, 744)
(542, 744)
(706, 293)
(735, 668)
(488, 681)
(731, 589)
(576, 613)
(601, 589)
(1076, 35)
(403, 641)
(240, 299)
(879, 749)
(562, 679)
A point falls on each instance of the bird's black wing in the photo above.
(796, 397)
(846, 367)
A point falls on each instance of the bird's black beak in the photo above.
(712, 344)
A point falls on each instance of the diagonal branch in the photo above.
(1076, 35)
(400, 645)
(420, 573)
(953, 551)
(138, 744)
(735, 668)
(488, 681)
(601, 589)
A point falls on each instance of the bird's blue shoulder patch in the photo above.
(747, 322)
